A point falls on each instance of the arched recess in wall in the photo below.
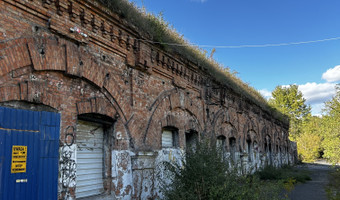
(255, 127)
(267, 138)
(224, 124)
(172, 108)
(277, 136)
(278, 150)
(268, 143)
(229, 132)
(53, 71)
(251, 144)
(224, 115)
(285, 148)
(250, 133)
(188, 127)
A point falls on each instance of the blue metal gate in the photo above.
(29, 143)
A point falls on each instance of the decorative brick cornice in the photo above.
(88, 22)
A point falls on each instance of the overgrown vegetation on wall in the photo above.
(154, 29)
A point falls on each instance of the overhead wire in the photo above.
(243, 46)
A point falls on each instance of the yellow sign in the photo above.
(19, 158)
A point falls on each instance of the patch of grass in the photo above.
(286, 173)
(333, 188)
(269, 173)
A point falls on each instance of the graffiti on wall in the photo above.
(68, 164)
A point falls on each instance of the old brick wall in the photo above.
(77, 57)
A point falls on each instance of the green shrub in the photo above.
(204, 174)
(269, 173)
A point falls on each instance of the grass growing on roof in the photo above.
(160, 32)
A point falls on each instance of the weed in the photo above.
(333, 188)
(204, 174)
(285, 173)
(154, 28)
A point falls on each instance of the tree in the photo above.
(290, 101)
(331, 128)
(309, 140)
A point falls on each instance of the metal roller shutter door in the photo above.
(90, 157)
(167, 138)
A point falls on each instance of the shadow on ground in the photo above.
(314, 189)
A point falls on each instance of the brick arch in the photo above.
(265, 134)
(190, 123)
(193, 124)
(97, 105)
(37, 92)
(30, 91)
(224, 116)
(228, 130)
(254, 124)
(251, 127)
(278, 142)
(165, 105)
(180, 119)
(220, 117)
(223, 121)
(24, 61)
(55, 54)
(281, 135)
(276, 135)
(252, 135)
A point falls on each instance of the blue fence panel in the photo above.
(39, 131)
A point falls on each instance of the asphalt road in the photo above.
(314, 189)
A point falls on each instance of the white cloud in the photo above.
(332, 74)
(316, 93)
(266, 93)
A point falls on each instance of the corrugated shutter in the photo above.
(167, 139)
(90, 155)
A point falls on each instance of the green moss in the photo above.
(155, 28)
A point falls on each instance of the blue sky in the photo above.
(259, 22)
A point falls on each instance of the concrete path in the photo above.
(314, 189)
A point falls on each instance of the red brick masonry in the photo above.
(78, 57)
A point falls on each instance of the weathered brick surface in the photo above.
(101, 68)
